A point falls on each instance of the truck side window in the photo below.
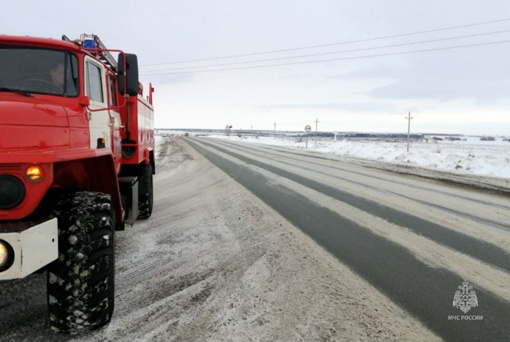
(94, 86)
(72, 76)
(113, 93)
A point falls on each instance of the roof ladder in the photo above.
(99, 49)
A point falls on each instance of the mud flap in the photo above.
(129, 192)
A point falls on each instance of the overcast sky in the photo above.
(370, 89)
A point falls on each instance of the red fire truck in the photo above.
(76, 164)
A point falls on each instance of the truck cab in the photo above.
(76, 164)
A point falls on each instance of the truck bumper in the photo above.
(33, 246)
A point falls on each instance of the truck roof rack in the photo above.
(94, 45)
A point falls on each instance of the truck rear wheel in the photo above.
(81, 280)
(145, 192)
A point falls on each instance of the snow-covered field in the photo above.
(470, 155)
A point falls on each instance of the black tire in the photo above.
(81, 281)
(145, 192)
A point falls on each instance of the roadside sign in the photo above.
(308, 128)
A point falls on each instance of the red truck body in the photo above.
(77, 145)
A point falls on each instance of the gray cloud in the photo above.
(446, 90)
(483, 77)
(359, 107)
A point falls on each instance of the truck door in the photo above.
(95, 88)
(115, 121)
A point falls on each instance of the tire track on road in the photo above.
(486, 221)
(468, 245)
(425, 292)
(263, 150)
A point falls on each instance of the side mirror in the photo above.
(127, 73)
(84, 101)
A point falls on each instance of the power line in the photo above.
(338, 43)
(332, 53)
(334, 59)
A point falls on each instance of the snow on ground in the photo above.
(470, 155)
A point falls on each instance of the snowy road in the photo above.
(294, 247)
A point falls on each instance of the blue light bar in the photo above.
(89, 43)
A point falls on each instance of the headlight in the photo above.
(12, 192)
(6, 256)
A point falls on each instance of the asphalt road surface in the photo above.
(259, 243)
(389, 266)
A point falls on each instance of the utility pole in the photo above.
(274, 136)
(409, 117)
(316, 124)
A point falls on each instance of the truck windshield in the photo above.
(41, 71)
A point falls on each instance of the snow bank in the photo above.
(469, 155)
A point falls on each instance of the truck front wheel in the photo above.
(81, 280)
(146, 193)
